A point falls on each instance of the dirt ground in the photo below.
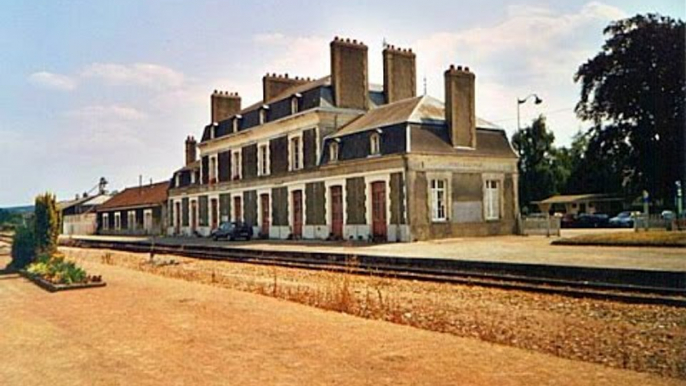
(147, 329)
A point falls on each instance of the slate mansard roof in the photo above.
(428, 114)
(139, 196)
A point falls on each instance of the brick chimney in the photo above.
(191, 150)
(224, 105)
(349, 74)
(274, 84)
(460, 113)
(399, 74)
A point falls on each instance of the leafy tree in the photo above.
(541, 172)
(46, 225)
(633, 92)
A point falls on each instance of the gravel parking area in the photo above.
(645, 338)
(146, 329)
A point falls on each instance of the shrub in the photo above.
(47, 223)
(23, 247)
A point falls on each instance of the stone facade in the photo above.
(335, 158)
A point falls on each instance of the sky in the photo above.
(92, 89)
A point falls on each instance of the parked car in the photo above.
(568, 221)
(623, 220)
(596, 220)
(232, 231)
(668, 215)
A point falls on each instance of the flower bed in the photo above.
(54, 273)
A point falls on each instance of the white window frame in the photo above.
(131, 215)
(234, 124)
(263, 114)
(334, 149)
(147, 220)
(295, 158)
(294, 105)
(236, 164)
(375, 144)
(439, 201)
(117, 221)
(263, 161)
(105, 221)
(214, 172)
(492, 200)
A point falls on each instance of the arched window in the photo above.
(375, 144)
(333, 151)
(294, 105)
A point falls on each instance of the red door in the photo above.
(297, 214)
(265, 214)
(237, 208)
(337, 212)
(214, 213)
(379, 210)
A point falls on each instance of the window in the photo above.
(213, 169)
(263, 114)
(236, 165)
(375, 144)
(105, 221)
(117, 221)
(263, 160)
(234, 124)
(333, 152)
(438, 200)
(294, 105)
(492, 204)
(131, 215)
(295, 152)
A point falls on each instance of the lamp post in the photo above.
(537, 101)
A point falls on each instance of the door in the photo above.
(264, 202)
(194, 216)
(214, 213)
(297, 214)
(177, 218)
(337, 212)
(237, 208)
(379, 211)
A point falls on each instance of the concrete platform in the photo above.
(509, 249)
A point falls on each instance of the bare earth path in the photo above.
(146, 329)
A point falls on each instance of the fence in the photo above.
(539, 225)
(656, 221)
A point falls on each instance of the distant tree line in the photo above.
(633, 95)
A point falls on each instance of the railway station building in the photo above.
(340, 158)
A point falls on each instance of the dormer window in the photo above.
(294, 104)
(235, 123)
(333, 151)
(375, 144)
(263, 114)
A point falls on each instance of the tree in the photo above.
(46, 224)
(633, 92)
(541, 174)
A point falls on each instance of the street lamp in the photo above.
(537, 101)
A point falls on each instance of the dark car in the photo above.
(232, 231)
(623, 220)
(598, 220)
(568, 221)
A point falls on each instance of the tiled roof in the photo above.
(89, 200)
(146, 195)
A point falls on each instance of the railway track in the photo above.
(629, 286)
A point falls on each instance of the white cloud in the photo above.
(268, 38)
(52, 81)
(534, 49)
(107, 113)
(137, 74)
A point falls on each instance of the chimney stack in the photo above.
(399, 74)
(460, 112)
(191, 150)
(273, 85)
(349, 74)
(224, 105)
